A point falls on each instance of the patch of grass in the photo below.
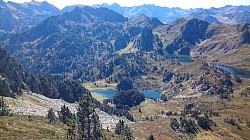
(128, 49)
(111, 136)
(19, 127)
(149, 109)
(239, 58)
(99, 85)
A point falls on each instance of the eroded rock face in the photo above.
(194, 31)
(182, 35)
(145, 40)
(224, 38)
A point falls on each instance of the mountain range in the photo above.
(80, 43)
(227, 15)
(19, 17)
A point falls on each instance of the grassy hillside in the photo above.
(21, 127)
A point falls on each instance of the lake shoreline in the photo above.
(234, 71)
(98, 97)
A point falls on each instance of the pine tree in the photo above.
(4, 111)
(127, 133)
(51, 116)
(73, 130)
(123, 130)
(89, 127)
(65, 115)
(119, 127)
(97, 126)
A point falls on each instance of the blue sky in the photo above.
(186, 4)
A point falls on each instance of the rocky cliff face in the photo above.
(182, 35)
(145, 40)
(223, 39)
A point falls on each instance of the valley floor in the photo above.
(151, 120)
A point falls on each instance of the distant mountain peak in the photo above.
(115, 4)
(104, 4)
(104, 14)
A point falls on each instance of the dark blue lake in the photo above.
(151, 94)
(180, 58)
(109, 94)
(238, 72)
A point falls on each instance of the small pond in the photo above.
(109, 94)
(238, 72)
(151, 94)
(180, 58)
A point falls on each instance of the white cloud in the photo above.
(169, 3)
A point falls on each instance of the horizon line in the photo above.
(123, 6)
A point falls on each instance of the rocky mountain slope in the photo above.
(38, 105)
(11, 74)
(189, 36)
(182, 35)
(228, 14)
(14, 80)
(18, 17)
(79, 44)
(84, 36)
(223, 39)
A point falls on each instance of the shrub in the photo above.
(174, 124)
(51, 116)
(169, 113)
(204, 122)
